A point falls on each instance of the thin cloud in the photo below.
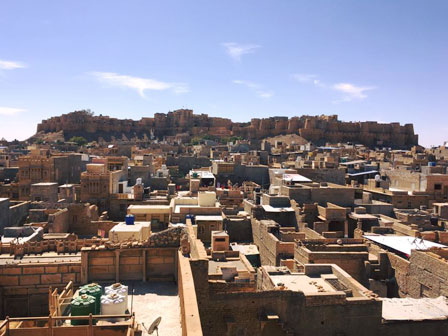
(139, 84)
(351, 91)
(257, 88)
(9, 111)
(11, 65)
(308, 78)
(236, 50)
(304, 78)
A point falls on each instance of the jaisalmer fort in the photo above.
(242, 217)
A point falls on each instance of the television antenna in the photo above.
(154, 326)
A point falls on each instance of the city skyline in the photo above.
(362, 61)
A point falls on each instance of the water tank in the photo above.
(118, 288)
(129, 219)
(431, 164)
(113, 304)
(83, 305)
(94, 290)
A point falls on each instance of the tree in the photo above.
(79, 140)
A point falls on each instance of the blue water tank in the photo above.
(431, 164)
(129, 219)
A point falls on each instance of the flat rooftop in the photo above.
(205, 218)
(303, 283)
(403, 244)
(269, 208)
(409, 309)
(149, 300)
(44, 184)
(213, 266)
(246, 249)
(148, 207)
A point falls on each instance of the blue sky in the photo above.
(378, 60)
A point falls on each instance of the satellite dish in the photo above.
(154, 326)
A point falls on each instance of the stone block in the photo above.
(30, 280)
(34, 270)
(130, 260)
(9, 280)
(102, 261)
(155, 260)
(50, 279)
(51, 269)
(67, 277)
(12, 270)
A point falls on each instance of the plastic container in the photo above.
(94, 290)
(118, 288)
(129, 219)
(82, 305)
(113, 304)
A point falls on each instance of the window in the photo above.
(438, 186)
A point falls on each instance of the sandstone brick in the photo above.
(155, 260)
(51, 269)
(67, 277)
(34, 270)
(130, 260)
(101, 261)
(50, 279)
(101, 269)
(15, 291)
(78, 277)
(168, 260)
(9, 280)
(12, 270)
(30, 280)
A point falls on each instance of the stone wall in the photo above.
(239, 229)
(58, 222)
(191, 322)
(140, 263)
(350, 261)
(24, 287)
(424, 275)
(270, 247)
(336, 175)
(4, 213)
(244, 313)
(18, 213)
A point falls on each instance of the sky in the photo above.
(382, 60)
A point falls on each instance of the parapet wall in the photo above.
(24, 287)
(191, 323)
(139, 263)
